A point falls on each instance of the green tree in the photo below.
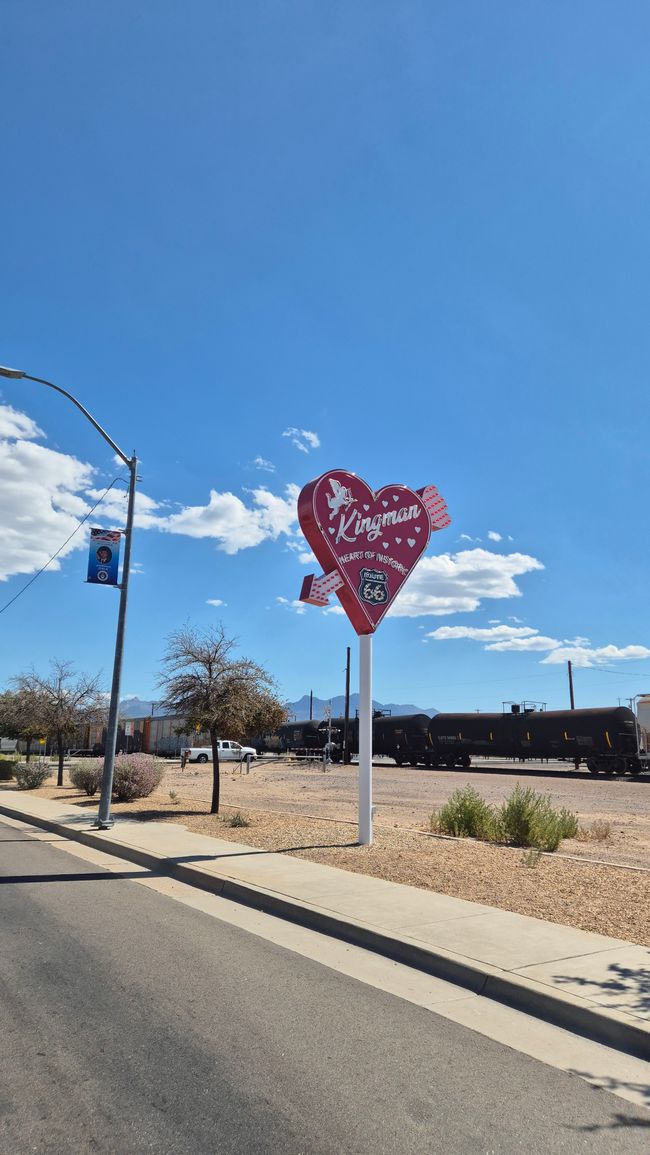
(22, 717)
(68, 702)
(264, 713)
(219, 694)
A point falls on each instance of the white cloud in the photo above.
(481, 634)
(215, 602)
(295, 605)
(536, 643)
(334, 610)
(585, 657)
(524, 639)
(494, 536)
(263, 464)
(498, 638)
(113, 508)
(303, 439)
(305, 556)
(15, 424)
(458, 583)
(232, 523)
(46, 493)
(41, 503)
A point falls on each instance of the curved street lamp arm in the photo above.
(104, 820)
(104, 434)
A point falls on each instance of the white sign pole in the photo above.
(365, 739)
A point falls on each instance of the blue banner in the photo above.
(104, 556)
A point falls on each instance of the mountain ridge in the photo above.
(298, 711)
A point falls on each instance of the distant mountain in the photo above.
(300, 709)
(141, 708)
(135, 708)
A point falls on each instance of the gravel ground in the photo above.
(406, 797)
(611, 899)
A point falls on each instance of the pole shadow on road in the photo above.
(84, 877)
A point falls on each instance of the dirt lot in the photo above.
(406, 797)
(304, 811)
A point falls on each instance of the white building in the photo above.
(643, 715)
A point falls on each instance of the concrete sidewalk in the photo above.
(595, 986)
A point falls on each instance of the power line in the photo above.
(519, 678)
(61, 547)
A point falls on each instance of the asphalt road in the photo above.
(130, 1023)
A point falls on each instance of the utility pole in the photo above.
(346, 722)
(576, 760)
(311, 705)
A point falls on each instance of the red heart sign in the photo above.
(367, 543)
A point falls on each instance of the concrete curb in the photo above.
(574, 1014)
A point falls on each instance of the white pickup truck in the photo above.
(228, 752)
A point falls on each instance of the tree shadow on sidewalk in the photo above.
(631, 982)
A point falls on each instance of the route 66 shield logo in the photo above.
(373, 586)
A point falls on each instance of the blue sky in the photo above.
(417, 232)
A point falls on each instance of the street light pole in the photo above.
(104, 820)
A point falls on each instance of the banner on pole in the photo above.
(368, 542)
(104, 556)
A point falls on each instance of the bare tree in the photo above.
(215, 692)
(68, 702)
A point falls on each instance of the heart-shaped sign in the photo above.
(367, 543)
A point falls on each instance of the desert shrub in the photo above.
(527, 818)
(600, 830)
(7, 769)
(237, 819)
(569, 823)
(135, 776)
(87, 776)
(466, 815)
(30, 775)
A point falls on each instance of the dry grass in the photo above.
(610, 900)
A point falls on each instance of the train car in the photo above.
(332, 730)
(453, 738)
(605, 738)
(403, 737)
(297, 736)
